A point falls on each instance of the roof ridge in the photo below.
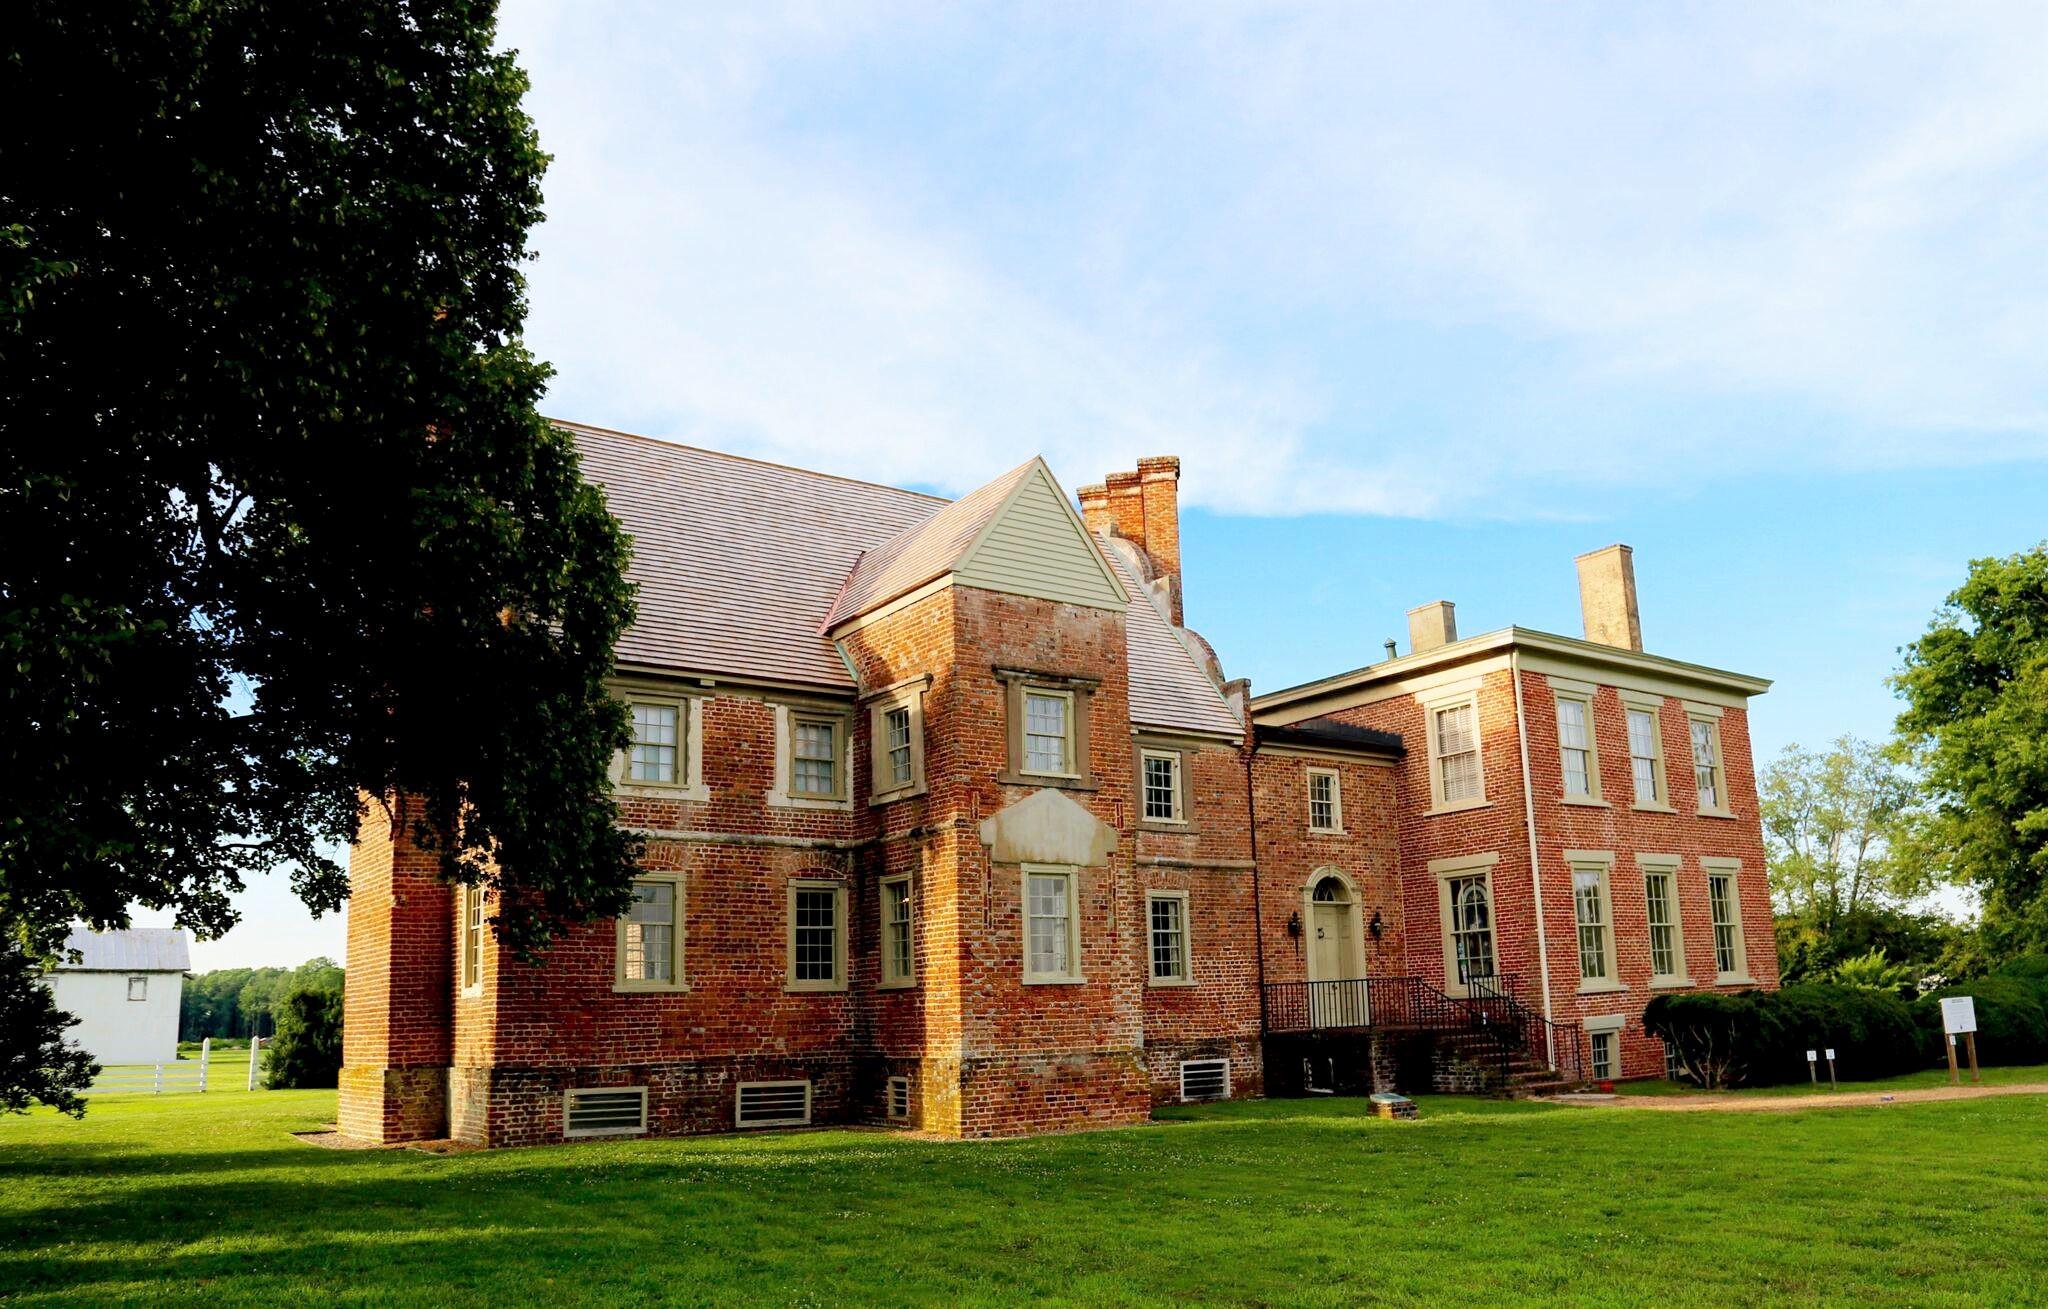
(748, 459)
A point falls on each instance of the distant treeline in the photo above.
(231, 1002)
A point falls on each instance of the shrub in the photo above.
(306, 1052)
(1760, 1038)
(1715, 1034)
(2012, 1020)
(2028, 967)
(1872, 972)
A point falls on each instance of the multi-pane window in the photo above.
(899, 960)
(1048, 732)
(1727, 923)
(1589, 899)
(657, 743)
(1643, 757)
(1455, 740)
(1325, 802)
(896, 745)
(1471, 928)
(814, 936)
(814, 758)
(1049, 927)
(1575, 747)
(1661, 896)
(1601, 1047)
(138, 988)
(1160, 770)
(1169, 914)
(1706, 763)
(648, 938)
(472, 936)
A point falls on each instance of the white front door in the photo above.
(1336, 978)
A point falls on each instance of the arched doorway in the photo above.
(1336, 951)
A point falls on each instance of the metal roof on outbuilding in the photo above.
(130, 950)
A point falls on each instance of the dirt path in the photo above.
(1690, 1104)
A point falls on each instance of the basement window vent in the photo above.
(899, 1098)
(1205, 1079)
(772, 1104)
(604, 1111)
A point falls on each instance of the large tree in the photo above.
(283, 526)
(1976, 724)
(1833, 825)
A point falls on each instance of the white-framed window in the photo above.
(896, 741)
(1465, 897)
(604, 1111)
(1646, 751)
(659, 740)
(817, 935)
(1709, 776)
(896, 746)
(138, 988)
(1325, 800)
(1731, 962)
(1048, 731)
(771, 1104)
(1600, 1048)
(1592, 908)
(815, 746)
(1167, 914)
(899, 932)
(1457, 775)
(1159, 777)
(1052, 924)
(1205, 1079)
(1660, 902)
(470, 946)
(650, 936)
(1578, 755)
(898, 1092)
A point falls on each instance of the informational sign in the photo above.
(1958, 1014)
(1831, 1054)
(1812, 1055)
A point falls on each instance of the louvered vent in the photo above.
(1205, 1079)
(899, 1097)
(773, 1104)
(605, 1111)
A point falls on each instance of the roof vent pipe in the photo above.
(1393, 648)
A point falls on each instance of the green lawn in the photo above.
(207, 1200)
(1928, 1077)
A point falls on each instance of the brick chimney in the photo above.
(1432, 625)
(1143, 507)
(1607, 597)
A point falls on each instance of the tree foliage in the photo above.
(283, 527)
(1976, 725)
(228, 1003)
(1833, 826)
(35, 1062)
(306, 1052)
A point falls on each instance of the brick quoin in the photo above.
(986, 1054)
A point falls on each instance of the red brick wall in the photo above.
(1290, 856)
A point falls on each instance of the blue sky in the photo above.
(1429, 299)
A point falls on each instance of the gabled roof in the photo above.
(1169, 687)
(737, 561)
(922, 551)
(131, 950)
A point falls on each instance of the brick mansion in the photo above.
(951, 821)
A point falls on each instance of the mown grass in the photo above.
(208, 1200)
(1909, 1081)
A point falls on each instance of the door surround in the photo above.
(1350, 905)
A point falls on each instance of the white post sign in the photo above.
(1958, 1014)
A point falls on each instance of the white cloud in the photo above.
(916, 246)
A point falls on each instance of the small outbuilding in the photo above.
(126, 989)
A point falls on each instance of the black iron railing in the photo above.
(1560, 1045)
(1490, 1009)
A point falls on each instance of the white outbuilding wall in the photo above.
(114, 1027)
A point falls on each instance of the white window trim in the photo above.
(1466, 694)
(1073, 745)
(1605, 1024)
(568, 1102)
(883, 789)
(789, 977)
(689, 741)
(1711, 716)
(1664, 865)
(801, 1121)
(1581, 694)
(133, 998)
(779, 794)
(884, 972)
(1073, 875)
(1732, 870)
(1187, 941)
(1653, 705)
(1445, 871)
(1600, 862)
(636, 985)
(1308, 784)
(1180, 787)
(469, 951)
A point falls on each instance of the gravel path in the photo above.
(1692, 1104)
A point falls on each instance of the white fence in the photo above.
(183, 1076)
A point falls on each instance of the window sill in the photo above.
(1462, 806)
(1717, 813)
(814, 988)
(1601, 988)
(1060, 780)
(650, 988)
(1174, 828)
(1653, 808)
(1329, 831)
(662, 791)
(1587, 801)
(910, 985)
(1734, 979)
(1182, 983)
(1055, 981)
(777, 800)
(900, 793)
(1671, 983)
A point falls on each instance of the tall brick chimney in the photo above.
(1607, 597)
(1432, 625)
(1142, 507)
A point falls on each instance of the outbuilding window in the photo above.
(138, 988)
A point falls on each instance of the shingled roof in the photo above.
(923, 552)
